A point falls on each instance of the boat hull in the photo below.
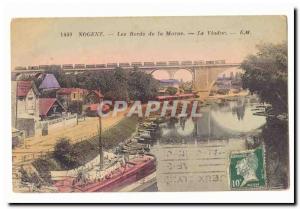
(136, 171)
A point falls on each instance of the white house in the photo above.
(27, 100)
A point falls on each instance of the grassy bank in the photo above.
(88, 149)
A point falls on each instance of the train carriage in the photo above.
(79, 66)
(100, 65)
(210, 62)
(173, 63)
(186, 63)
(67, 66)
(112, 65)
(161, 63)
(124, 64)
(149, 64)
(136, 64)
(90, 66)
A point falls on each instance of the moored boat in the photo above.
(132, 171)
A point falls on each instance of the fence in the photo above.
(58, 123)
(29, 156)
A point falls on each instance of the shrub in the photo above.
(171, 90)
(65, 154)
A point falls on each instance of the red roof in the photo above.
(179, 96)
(70, 90)
(45, 104)
(98, 93)
(23, 87)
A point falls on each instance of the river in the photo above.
(185, 144)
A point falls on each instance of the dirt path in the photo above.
(38, 145)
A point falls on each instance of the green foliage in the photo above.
(223, 91)
(32, 178)
(186, 86)
(44, 166)
(24, 175)
(142, 86)
(266, 75)
(89, 149)
(275, 135)
(65, 81)
(65, 154)
(85, 150)
(116, 84)
(171, 90)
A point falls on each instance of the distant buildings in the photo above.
(226, 83)
(164, 83)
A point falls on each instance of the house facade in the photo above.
(50, 108)
(92, 100)
(27, 100)
(26, 108)
(68, 95)
(93, 97)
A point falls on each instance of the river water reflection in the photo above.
(218, 121)
(222, 128)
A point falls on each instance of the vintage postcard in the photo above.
(149, 104)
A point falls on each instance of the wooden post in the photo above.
(100, 140)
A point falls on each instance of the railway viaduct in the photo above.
(204, 73)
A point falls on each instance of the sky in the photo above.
(38, 41)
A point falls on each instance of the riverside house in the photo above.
(68, 95)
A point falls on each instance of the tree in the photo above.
(66, 154)
(117, 84)
(186, 86)
(266, 75)
(113, 84)
(142, 86)
(171, 90)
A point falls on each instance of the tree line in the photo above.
(117, 84)
(266, 74)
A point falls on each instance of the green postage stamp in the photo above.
(247, 169)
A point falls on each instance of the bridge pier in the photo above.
(201, 82)
(205, 78)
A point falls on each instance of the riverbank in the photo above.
(87, 149)
(36, 146)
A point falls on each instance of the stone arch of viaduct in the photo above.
(203, 77)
